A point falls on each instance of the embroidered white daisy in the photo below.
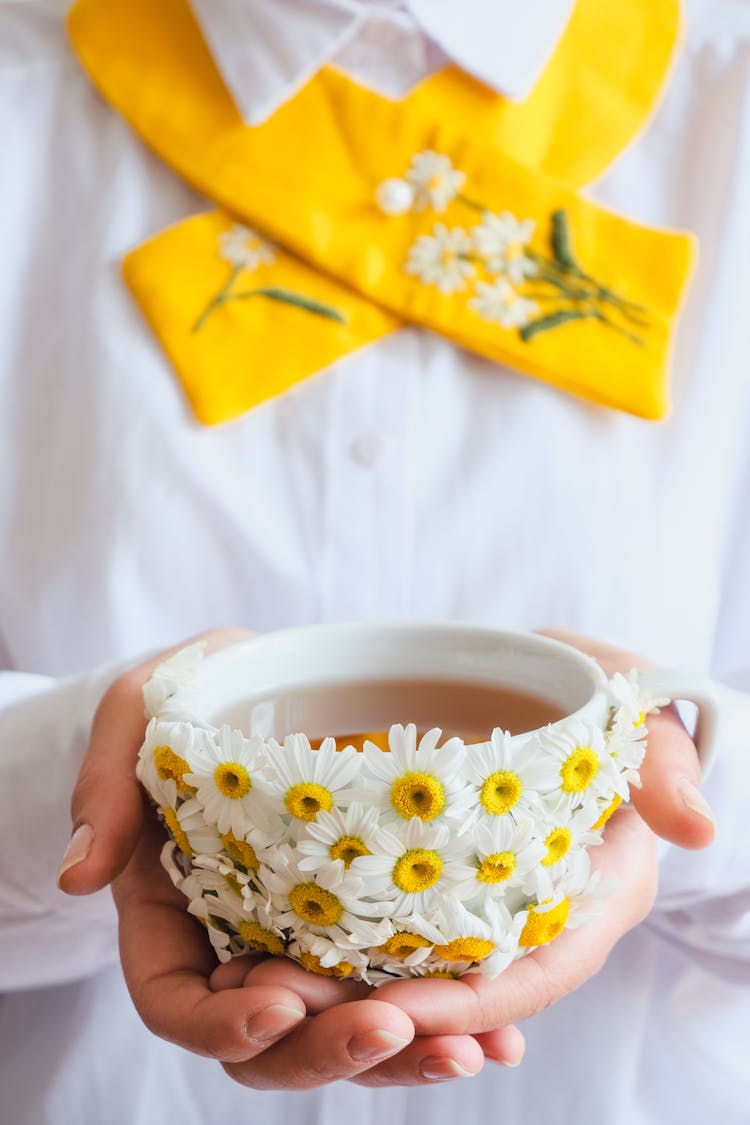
(338, 837)
(505, 775)
(244, 248)
(187, 826)
(442, 258)
(306, 781)
(330, 901)
(227, 772)
(508, 854)
(503, 242)
(500, 302)
(418, 861)
(176, 674)
(417, 778)
(163, 765)
(577, 763)
(434, 180)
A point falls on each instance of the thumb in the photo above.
(670, 800)
(108, 805)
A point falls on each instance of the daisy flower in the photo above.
(415, 865)
(170, 676)
(504, 776)
(330, 902)
(163, 765)
(188, 828)
(410, 943)
(442, 258)
(500, 302)
(434, 180)
(323, 957)
(227, 774)
(505, 930)
(244, 248)
(502, 241)
(414, 779)
(545, 921)
(567, 833)
(465, 937)
(630, 701)
(508, 855)
(309, 781)
(336, 837)
(577, 763)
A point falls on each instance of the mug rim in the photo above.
(216, 685)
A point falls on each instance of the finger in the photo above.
(231, 974)
(337, 1044)
(670, 800)
(505, 1045)
(107, 804)
(427, 1060)
(167, 959)
(316, 992)
(473, 1004)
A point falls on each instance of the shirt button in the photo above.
(368, 449)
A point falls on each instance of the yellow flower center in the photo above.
(233, 883)
(233, 780)
(313, 965)
(496, 868)
(348, 848)
(240, 851)
(417, 870)
(579, 769)
(177, 831)
(441, 974)
(418, 794)
(435, 181)
(513, 250)
(307, 799)
(170, 765)
(403, 944)
(464, 949)
(611, 808)
(256, 937)
(315, 904)
(542, 928)
(500, 792)
(447, 256)
(558, 842)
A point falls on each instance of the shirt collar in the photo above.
(267, 50)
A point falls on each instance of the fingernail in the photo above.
(440, 1069)
(693, 799)
(78, 848)
(376, 1044)
(272, 1022)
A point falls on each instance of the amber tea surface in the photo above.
(352, 712)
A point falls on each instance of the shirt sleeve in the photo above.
(46, 937)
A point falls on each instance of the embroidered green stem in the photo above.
(583, 294)
(298, 300)
(272, 293)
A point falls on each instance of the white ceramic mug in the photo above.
(237, 685)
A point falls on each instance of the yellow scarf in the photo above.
(454, 209)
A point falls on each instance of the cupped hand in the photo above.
(282, 1030)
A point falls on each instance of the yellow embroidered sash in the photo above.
(453, 209)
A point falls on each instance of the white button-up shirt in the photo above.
(410, 480)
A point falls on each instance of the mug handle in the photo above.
(661, 683)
